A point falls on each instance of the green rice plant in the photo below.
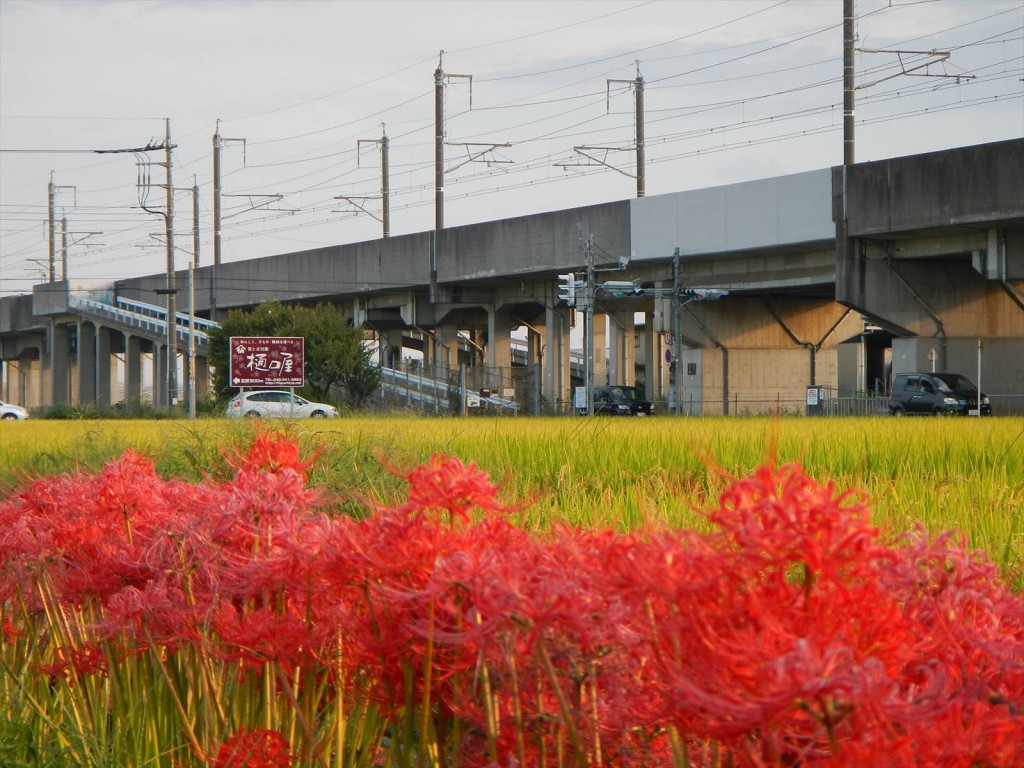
(942, 473)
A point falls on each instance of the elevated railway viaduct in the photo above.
(836, 277)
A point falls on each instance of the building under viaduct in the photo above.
(836, 277)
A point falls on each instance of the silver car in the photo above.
(10, 412)
(277, 404)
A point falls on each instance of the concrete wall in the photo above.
(531, 244)
(938, 189)
(759, 355)
(737, 217)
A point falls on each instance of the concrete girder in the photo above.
(925, 247)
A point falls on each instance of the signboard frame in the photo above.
(267, 361)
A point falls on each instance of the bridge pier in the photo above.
(557, 385)
(499, 339)
(104, 365)
(86, 363)
(57, 371)
(601, 350)
(621, 348)
(132, 371)
(655, 368)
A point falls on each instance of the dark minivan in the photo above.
(936, 394)
(621, 401)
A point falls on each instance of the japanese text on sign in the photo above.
(267, 361)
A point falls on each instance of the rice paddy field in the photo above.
(964, 474)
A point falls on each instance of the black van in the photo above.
(621, 400)
(935, 394)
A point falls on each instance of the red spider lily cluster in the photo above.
(789, 636)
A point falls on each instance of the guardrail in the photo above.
(152, 310)
(148, 324)
(435, 394)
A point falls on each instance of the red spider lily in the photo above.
(76, 663)
(445, 484)
(255, 748)
(788, 637)
(10, 632)
(270, 452)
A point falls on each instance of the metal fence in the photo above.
(516, 391)
(455, 391)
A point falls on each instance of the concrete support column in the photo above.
(202, 378)
(31, 383)
(87, 363)
(391, 346)
(479, 347)
(499, 346)
(535, 363)
(557, 382)
(621, 348)
(104, 364)
(58, 363)
(601, 321)
(132, 370)
(160, 394)
(445, 343)
(655, 372)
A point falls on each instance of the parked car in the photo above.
(277, 404)
(10, 412)
(935, 394)
(621, 400)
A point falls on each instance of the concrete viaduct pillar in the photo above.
(391, 348)
(601, 353)
(57, 365)
(132, 370)
(104, 361)
(86, 363)
(557, 384)
(499, 344)
(445, 343)
(621, 348)
(655, 369)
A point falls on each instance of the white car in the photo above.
(9, 412)
(277, 404)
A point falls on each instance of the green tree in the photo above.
(335, 358)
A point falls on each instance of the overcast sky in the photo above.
(734, 90)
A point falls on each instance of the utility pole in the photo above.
(588, 326)
(172, 301)
(51, 205)
(641, 173)
(439, 145)
(440, 78)
(51, 198)
(385, 185)
(217, 144)
(590, 152)
(677, 332)
(195, 222)
(192, 302)
(64, 248)
(849, 82)
(171, 289)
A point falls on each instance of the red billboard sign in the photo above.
(267, 361)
